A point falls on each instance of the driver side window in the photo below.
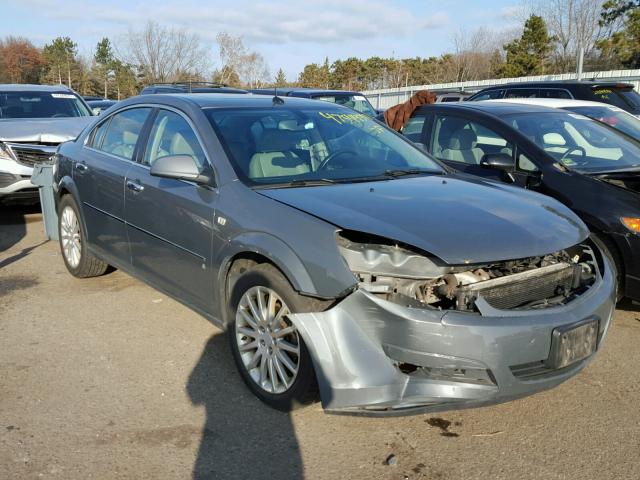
(172, 135)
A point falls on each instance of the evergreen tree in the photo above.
(60, 55)
(624, 44)
(281, 79)
(528, 55)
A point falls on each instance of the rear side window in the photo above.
(98, 134)
(522, 93)
(123, 131)
(554, 93)
(490, 95)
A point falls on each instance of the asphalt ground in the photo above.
(107, 378)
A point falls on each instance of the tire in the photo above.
(79, 261)
(609, 248)
(258, 349)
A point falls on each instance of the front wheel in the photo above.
(78, 260)
(268, 350)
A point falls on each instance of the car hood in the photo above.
(459, 219)
(42, 130)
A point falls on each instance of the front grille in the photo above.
(538, 370)
(521, 289)
(31, 154)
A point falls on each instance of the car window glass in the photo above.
(490, 95)
(171, 134)
(413, 128)
(522, 93)
(613, 116)
(123, 132)
(98, 134)
(578, 142)
(612, 96)
(457, 139)
(278, 145)
(524, 163)
(553, 93)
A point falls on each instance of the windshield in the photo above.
(41, 105)
(270, 146)
(616, 117)
(578, 142)
(624, 98)
(359, 103)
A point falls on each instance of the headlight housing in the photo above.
(5, 153)
(631, 223)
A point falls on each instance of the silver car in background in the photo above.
(337, 255)
(34, 120)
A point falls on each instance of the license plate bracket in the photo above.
(573, 343)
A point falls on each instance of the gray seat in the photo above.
(462, 147)
(275, 158)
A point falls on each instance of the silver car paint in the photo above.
(42, 130)
(355, 344)
(355, 355)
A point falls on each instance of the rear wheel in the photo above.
(268, 350)
(78, 260)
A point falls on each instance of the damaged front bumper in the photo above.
(377, 357)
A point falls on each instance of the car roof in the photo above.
(310, 91)
(559, 83)
(216, 100)
(27, 87)
(493, 108)
(552, 102)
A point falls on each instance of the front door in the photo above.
(99, 176)
(169, 222)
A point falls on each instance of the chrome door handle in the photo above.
(81, 167)
(134, 187)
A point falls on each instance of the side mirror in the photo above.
(498, 161)
(181, 167)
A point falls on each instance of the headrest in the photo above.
(554, 139)
(463, 140)
(276, 141)
(129, 138)
(179, 145)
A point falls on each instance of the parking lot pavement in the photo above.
(107, 378)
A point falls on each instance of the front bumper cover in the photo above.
(373, 356)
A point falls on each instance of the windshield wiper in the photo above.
(299, 183)
(401, 172)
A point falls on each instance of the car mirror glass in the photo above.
(180, 167)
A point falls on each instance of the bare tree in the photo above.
(575, 24)
(474, 51)
(165, 54)
(253, 70)
(231, 54)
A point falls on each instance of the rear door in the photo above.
(99, 175)
(169, 222)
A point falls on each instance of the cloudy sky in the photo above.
(289, 33)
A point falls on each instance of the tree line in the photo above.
(549, 41)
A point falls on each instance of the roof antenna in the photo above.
(276, 99)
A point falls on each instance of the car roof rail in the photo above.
(188, 84)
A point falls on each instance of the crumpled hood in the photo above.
(42, 130)
(457, 218)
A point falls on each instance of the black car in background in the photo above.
(189, 87)
(621, 95)
(587, 165)
(354, 100)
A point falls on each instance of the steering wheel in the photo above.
(574, 149)
(339, 153)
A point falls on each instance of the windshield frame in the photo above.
(84, 108)
(282, 182)
(506, 119)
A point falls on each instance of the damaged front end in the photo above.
(418, 333)
(401, 274)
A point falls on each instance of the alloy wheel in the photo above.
(268, 343)
(70, 237)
